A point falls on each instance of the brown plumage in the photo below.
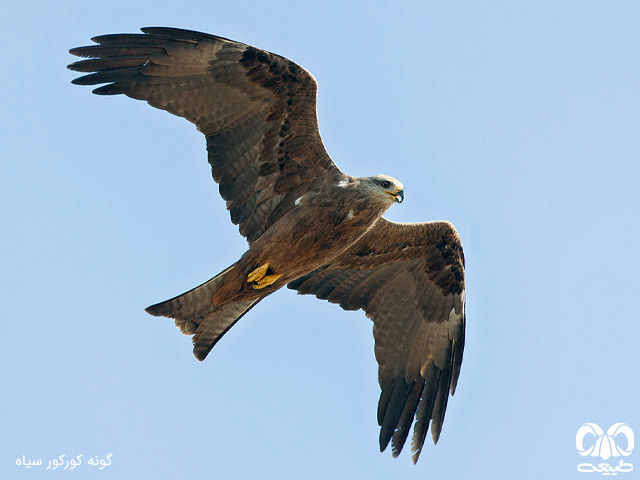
(309, 226)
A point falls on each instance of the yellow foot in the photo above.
(266, 281)
(258, 273)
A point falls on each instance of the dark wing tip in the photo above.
(201, 354)
(75, 52)
(155, 310)
(110, 89)
(392, 410)
(84, 80)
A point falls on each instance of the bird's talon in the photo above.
(266, 281)
(258, 274)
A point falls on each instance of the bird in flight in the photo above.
(309, 225)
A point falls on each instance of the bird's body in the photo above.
(309, 226)
(320, 227)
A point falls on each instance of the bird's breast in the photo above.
(310, 236)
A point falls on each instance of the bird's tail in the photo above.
(195, 314)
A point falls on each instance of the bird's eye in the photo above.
(385, 184)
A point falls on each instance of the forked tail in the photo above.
(195, 314)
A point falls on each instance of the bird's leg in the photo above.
(258, 274)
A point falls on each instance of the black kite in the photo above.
(309, 226)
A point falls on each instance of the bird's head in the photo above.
(388, 189)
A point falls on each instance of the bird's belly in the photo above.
(305, 242)
(296, 245)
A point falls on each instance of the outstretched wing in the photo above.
(256, 109)
(409, 279)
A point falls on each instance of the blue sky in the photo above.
(517, 121)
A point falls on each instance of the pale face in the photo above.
(391, 187)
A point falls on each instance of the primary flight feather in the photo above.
(309, 226)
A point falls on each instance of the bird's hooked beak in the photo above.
(397, 195)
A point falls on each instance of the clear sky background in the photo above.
(517, 121)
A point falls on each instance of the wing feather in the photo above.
(409, 279)
(256, 109)
(406, 417)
